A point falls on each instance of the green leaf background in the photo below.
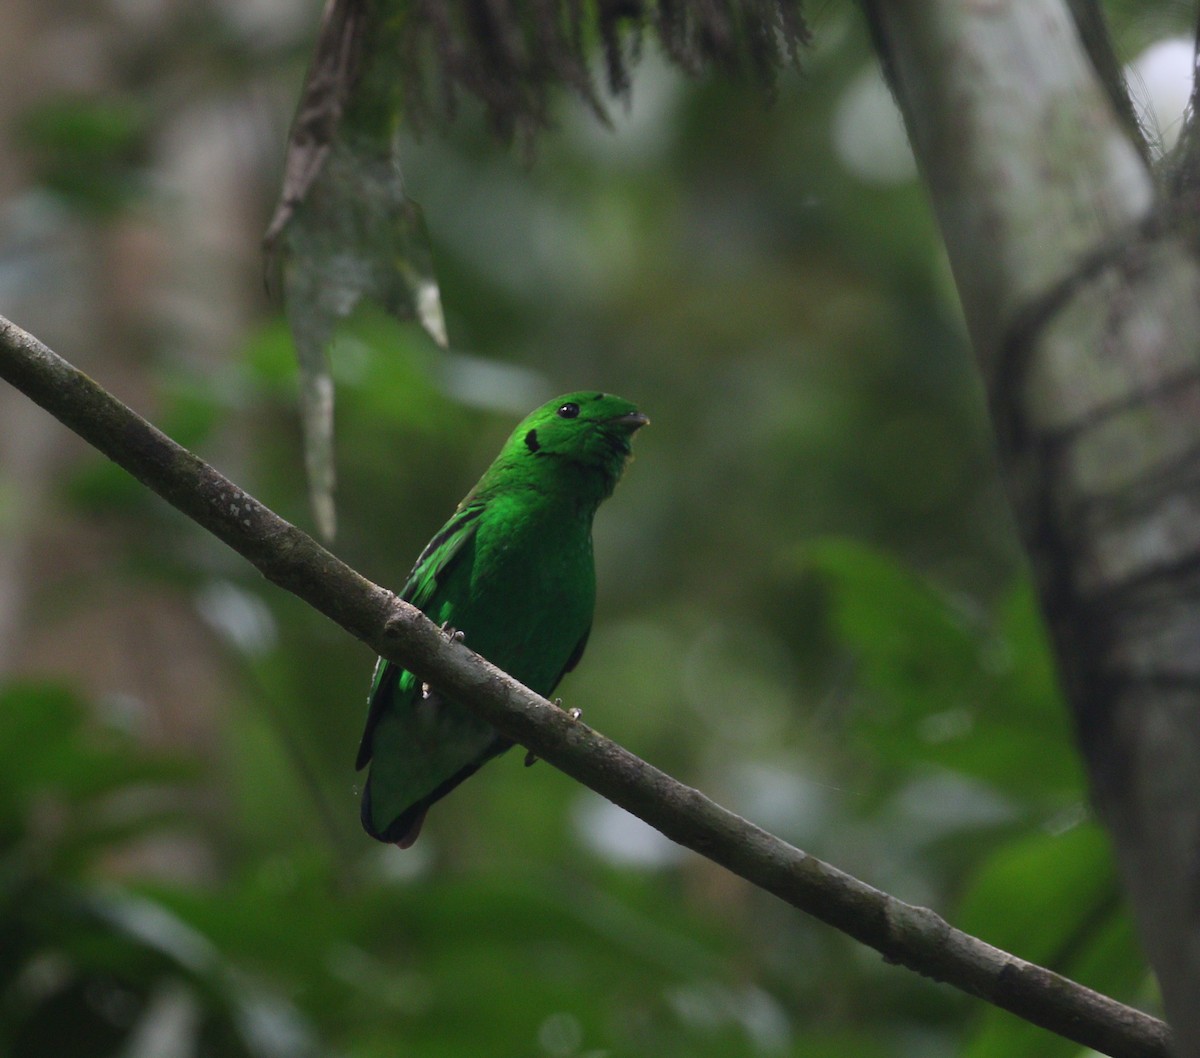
(811, 601)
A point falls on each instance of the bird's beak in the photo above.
(635, 420)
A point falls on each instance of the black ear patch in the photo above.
(531, 441)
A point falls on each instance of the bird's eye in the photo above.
(570, 410)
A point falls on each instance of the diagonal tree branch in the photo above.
(914, 937)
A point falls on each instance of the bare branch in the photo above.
(911, 936)
(1183, 164)
(1089, 20)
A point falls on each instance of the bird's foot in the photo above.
(574, 714)
(531, 758)
(453, 634)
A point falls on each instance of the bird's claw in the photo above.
(531, 758)
(574, 714)
(455, 635)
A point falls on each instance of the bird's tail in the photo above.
(403, 829)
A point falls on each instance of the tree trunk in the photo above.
(1082, 296)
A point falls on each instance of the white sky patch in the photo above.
(240, 617)
(1160, 81)
(641, 127)
(712, 1005)
(620, 838)
(868, 132)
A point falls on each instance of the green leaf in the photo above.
(84, 151)
(948, 685)
(1036, 896)
(62, 778)
(1052, 899)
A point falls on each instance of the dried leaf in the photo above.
(345, 230)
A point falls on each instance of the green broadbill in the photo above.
(512, 570)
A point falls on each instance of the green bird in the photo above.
(512, 571)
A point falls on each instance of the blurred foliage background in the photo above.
(812, 605)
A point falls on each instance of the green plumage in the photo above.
(512, 570)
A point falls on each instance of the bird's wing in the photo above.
(431, 570)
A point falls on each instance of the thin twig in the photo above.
(910, 936)
(1088, 16)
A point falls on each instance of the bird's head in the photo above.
(585, 431)
(586, 428)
